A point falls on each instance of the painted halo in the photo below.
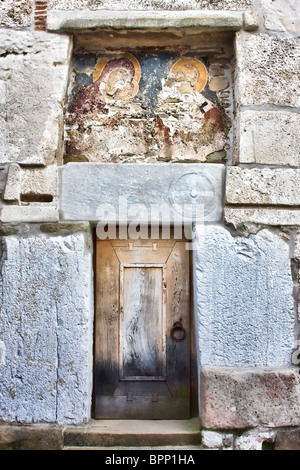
(119, 77)
(192, 70)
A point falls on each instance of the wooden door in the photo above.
(142, 330)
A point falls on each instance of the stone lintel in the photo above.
(70, 21)
(246, 397)
(143, 193)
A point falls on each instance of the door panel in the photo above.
(142, 365)
(142, 343)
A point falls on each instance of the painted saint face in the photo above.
(190, 70)
(118, 78)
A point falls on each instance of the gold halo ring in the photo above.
(192, 70)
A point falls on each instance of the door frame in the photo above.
(194, 392)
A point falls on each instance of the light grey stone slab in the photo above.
(128, 192)
(244, 306)
(35, 212)
(46, 329)
(34, 70)
(237, 398)
(101, 19)
(263, 216)
(269, 137)
(282, 15)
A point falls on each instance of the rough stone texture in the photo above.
(117, 192)
(234, 398)
(282, 15)
(263, 186)
(269, 137)
(13, 183)
(216, 440)
(267, 70)
(46, 329)
(149, 5)
(297, 247)
(16, 13)
(244, 305)
(33, 79)
(275, 217)
(33, 212)
(288, 439)
(31, 194)
(251, 20)
(257, 439)
(37, 437)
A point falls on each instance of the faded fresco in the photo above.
(146, 106)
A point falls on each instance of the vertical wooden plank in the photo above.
(106, 319)
(141, 332)
(178, 300)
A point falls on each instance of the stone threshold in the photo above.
(103, 435)
(133, 434)
(72, 21)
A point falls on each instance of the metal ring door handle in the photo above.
(177, 331)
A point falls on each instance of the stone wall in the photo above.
(246, 262)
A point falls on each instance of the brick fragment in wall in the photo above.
(40, 16)
(145, 107)
(267, 70)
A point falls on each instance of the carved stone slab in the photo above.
(141, 192)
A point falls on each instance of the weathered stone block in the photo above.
(297, 247)
(269, 137)
(267, 70)
(46, 329)
(13, 183)
(34, 76)
(233, 398)
(263, 186)
(35, 212)
(244, 306)
(275, 217)
(153, 5)
(83, 20)
(251, 20)
(288, 439)
(216, 440)
(40, 182)
(135, 192)
(16, 13)
(256, 439)
(282, 15)
(36, 437)
(31, 195)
